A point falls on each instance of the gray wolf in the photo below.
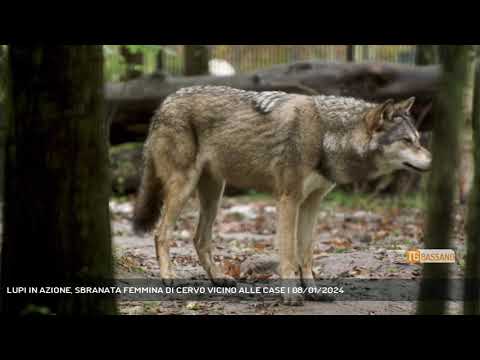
(295, 147)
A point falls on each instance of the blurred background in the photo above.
(236, 59)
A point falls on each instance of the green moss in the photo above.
(352, 200)
(32, 309)
(371, 202)
(118, 149)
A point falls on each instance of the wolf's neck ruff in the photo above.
(341, 111)
(344, 157)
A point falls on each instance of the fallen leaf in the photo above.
(259, 246)
(193, 306)
(232, 269)
(339, 243)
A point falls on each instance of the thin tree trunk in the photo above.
(56, 215)
(351, 53)
(196, 60)
(449, 115)
(134, 61)
(426, 55)
(472, 271)
(2, 73)
(366, 52)
(3, 78)
(160, 61)
(466, 149)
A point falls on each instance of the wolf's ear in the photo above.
(405, 105)
(376, 117)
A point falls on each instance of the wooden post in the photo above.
(351, 53)
(196, 60)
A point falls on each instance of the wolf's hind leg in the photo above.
(178, 190)
(306, 223)
(210, 193)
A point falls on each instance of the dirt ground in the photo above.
(349, 243)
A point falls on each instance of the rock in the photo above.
(360, 216)
(125, 209)
(245, 211)
(363, 238)
(256, 264)
(342, 265)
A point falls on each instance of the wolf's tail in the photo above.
(149, 200)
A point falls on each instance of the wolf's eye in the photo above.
(408, 141)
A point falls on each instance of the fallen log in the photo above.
(131, 104)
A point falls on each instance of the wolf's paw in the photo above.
(292, 299)
(168, 278)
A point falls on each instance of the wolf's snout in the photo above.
(428, 162)
(422, 162)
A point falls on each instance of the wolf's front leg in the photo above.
(306, 223)
(287, 240)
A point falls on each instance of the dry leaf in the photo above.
(339, 243)
(259, 246)
(232, 269)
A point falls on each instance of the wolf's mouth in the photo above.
(414, 167)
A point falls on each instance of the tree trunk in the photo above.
(3, 78)
(351, 53)
(3, 131)
(160, 61)
(196, 59)
(56, 215)
(365, 52)
(2, 72)
(426, 54)
(449, 115)
(134, 61)
(465, 175)
(472, 271)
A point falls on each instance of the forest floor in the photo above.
(354, 239)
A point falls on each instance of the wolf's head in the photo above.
(395, 142)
